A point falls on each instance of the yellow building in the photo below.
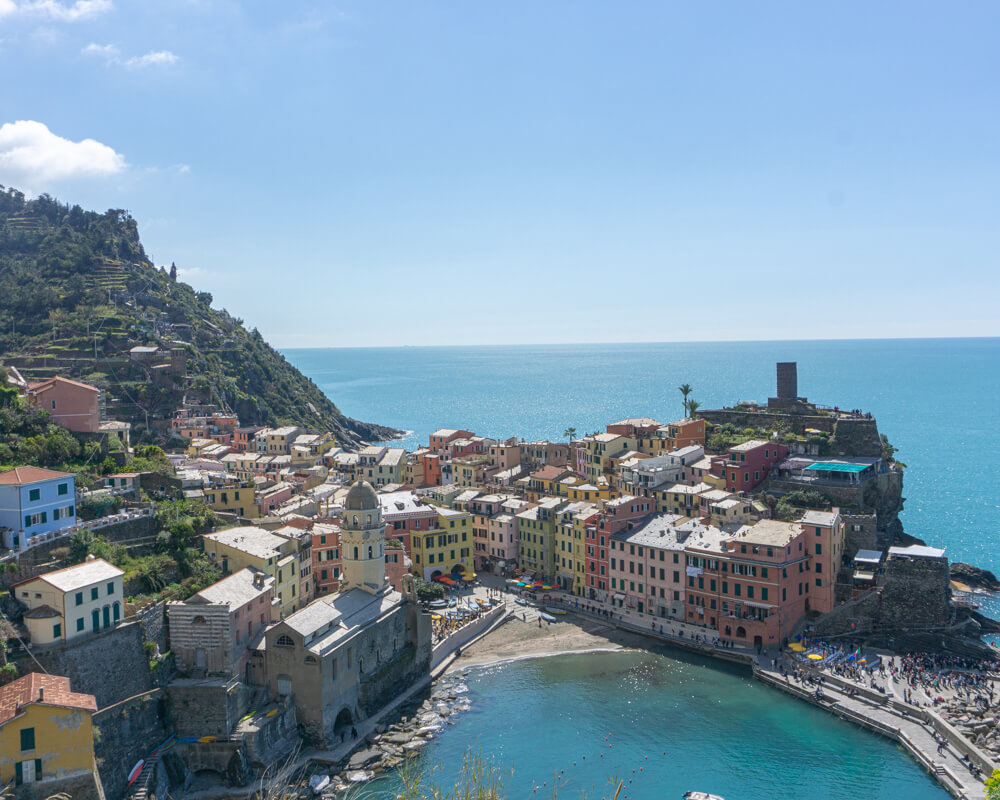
(536, 532)
(280, 557)
(46, 731)
(233, 500)
(469, 471)
(71, 602)
(445, 549)
(600, 449)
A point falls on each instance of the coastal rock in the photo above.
(364, 758)
(974, 577)
(360, 776)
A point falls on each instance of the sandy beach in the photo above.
(517, 639)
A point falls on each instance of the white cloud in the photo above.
(32, 157)
(54, 10)
(187, 274)
(112, 56)
(154, 58)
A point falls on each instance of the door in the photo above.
(107, 616)
(95, 618)
(199, 658)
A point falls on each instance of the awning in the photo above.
(752, 604)
(619, 596)
(693, 572)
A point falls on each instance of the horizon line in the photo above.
(672, 341)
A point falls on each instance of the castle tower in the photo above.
(362, 541)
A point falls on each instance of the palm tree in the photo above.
(693, 405)
(569, 433)
(685, 389)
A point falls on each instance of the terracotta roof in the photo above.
(56, 693)
(23, 475)
(42, 612)
(37, 385)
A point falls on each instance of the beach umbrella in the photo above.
(815, 656)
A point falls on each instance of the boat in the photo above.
(318, 783)
(552, 610)
(701, 796)
(547, 617)
(520, 601)
(135, 771)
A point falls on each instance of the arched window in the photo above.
(116, 611)
(284, 641)
(369, 551)
(199, 620)
(368, 519)
(309, 660)
(355, 520)
(355, 552)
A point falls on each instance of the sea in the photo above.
(937, 400)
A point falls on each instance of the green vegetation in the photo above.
(790, 506)
(77, 291)
(428, 590)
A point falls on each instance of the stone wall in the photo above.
(111, 665)
(849, 437)
(125, 733)
(916, 594)
(80, 786)
(207, 707)
(861, 533)
(227, 759)
(154, 623)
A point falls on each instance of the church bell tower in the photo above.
(362, 541)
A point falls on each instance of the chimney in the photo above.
(41, 694)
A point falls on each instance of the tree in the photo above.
(569, 433)
(173, 271)
(692, 407)
(993, 786)
(685, 390)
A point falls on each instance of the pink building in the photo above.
(70, 403)
(751, 587)
(636, 426)
(270, 499)
(440, 438)
(326, 558)
(646, 568)
(749, 463)
(397, 564)
(214, 631)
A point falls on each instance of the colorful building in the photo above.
(72, 404)
(46, 733)
(65, 604)
(35, 503)
(646, 570)
(238, 548)
(749, 463)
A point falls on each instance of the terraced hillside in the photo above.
(77, 292)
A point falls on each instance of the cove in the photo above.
(664, 721)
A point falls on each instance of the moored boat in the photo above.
(701, 796)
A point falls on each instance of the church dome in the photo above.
(361, 497)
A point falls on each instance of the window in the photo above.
(33, 496)
(79, 624)
(94, 592)
(27, 739)
(763, 593)
(56, 631)
(819, 549)
(79, 598)
(284, 641)
(111, 588)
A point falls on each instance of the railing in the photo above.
(91, 525)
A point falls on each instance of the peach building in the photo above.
(70, 403)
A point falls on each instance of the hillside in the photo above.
(77, 292)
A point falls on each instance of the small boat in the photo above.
(520, 601)
(555, 610)
(547, 617)
(701, 796)
(135, 771)
(318, 783)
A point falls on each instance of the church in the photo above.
(344, 656)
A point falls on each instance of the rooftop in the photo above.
(326, 621)
(753, 444)
(824, 519)
(30, 688)
(69, 579)
(236, 590)
(247, 539)
(769, 532)
(21, 476)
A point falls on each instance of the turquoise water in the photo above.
(672, 724)
(937, 399)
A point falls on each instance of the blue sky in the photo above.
(387, 173)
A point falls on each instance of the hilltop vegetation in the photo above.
(77, 291)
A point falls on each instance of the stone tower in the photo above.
(362, 541)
